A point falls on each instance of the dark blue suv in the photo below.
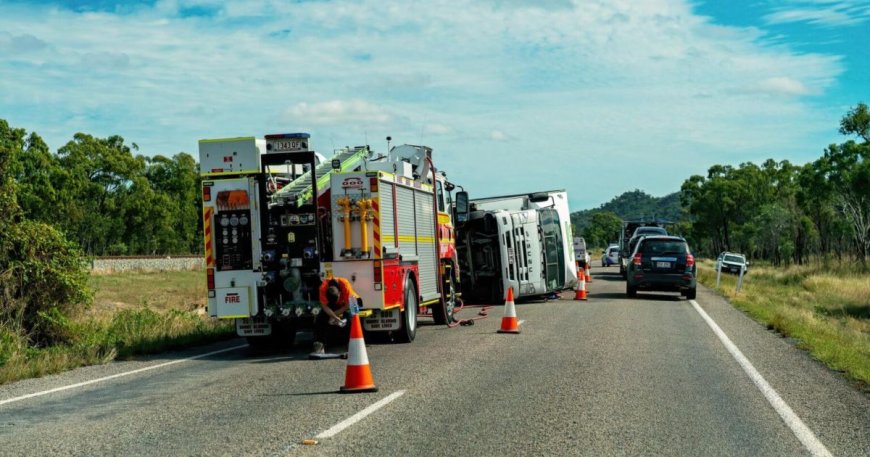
(661, 263)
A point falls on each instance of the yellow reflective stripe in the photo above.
(409, 239)
(443, 218)
(226, 140)
(434, 300)
(208, 211)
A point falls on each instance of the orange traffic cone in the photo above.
(588, 275)
(509, 323)
(358, 377)
(580, 290)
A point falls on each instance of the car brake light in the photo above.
(690, 260)
(210, 278)
(637, 258)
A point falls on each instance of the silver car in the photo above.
(611, 256)
(731, 262)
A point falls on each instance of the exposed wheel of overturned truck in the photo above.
(442, 312)
(408, 331)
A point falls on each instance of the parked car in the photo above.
(662, 263)
(731, 262)
(611, 256)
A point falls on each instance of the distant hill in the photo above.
(635, 204)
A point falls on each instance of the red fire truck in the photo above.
(279, 218)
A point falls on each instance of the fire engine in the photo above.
(279, 218)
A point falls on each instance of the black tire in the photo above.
(691, 293)
(630, 291)
(442, 312)
(408, 331)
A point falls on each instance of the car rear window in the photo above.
(664, 247)
(733, 258)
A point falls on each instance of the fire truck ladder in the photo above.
(299, 191)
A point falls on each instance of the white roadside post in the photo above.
(740, 279)
(718, 273)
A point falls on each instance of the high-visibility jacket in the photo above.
(344, 288)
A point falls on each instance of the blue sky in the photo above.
(595, 96)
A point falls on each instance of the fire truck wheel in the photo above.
(408, 330)
(442, 313)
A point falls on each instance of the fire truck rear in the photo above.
(393, 238)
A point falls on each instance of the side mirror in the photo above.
(461, 209)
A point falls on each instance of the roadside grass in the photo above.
(825, 309)
(133, 313)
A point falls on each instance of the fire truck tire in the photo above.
(442, 312)
(408, 331)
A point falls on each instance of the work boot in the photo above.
(319, 349)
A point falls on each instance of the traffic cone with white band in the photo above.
(580, 290)
(358, 377)
(509, 323)
(588, 275)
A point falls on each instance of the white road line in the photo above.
(797, 426)
(126, 373)
(521, 322)
(339, 427)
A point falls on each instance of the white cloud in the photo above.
(828, 13)
(438, 129)
(603, 83)
(338, 112)
(498, 135)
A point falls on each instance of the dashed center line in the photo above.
(341, 426)
(797, 426)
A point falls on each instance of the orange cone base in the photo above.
(509, 325)
(580, 295)
(358, 379)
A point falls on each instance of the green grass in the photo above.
(133, 313)
(826, 309)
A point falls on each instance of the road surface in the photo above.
(608, 376)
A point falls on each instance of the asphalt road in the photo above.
(608, 376)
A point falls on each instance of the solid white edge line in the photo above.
(339, 427)
(797, 426)
(118, 375)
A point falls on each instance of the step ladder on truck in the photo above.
(269, 217)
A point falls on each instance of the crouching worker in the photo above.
(335, 295)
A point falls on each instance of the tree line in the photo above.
(104, 197)
(775, 211)
(788, 213)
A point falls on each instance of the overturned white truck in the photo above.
(520, 241)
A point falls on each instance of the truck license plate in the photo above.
(383, 320)
(253, 327)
